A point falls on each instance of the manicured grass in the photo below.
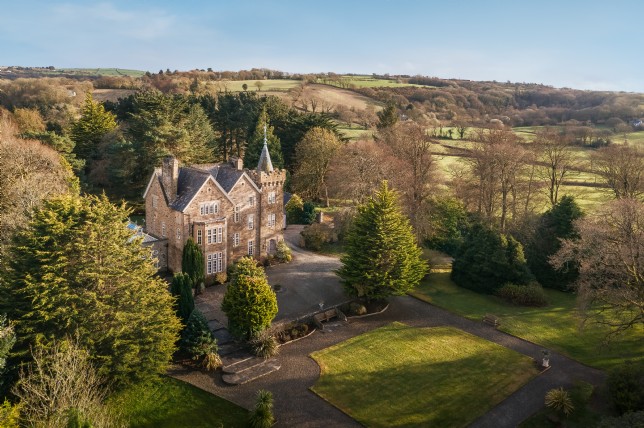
(369, 82)
(556, 326)
(172, 403)
(399, 376)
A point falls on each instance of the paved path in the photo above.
(297, 406)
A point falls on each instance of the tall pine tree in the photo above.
(382, 258)
(78, 271)
(256, 143)
(92, 126)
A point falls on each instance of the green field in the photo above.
(367, 82)
(399, 376)
(556, 326)
(171, 403)
(96, 72)
(268, 85)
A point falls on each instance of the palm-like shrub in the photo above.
(264, 345)
(559, 400)
(262, 414)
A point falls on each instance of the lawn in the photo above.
(556, 326)
(398, 376)
(172, 403)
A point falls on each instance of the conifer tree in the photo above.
(382, 258)
(256, 143)
(92, 126)
(489, 259)
(192, 263)
(77, 270)
(181, 288)
(249, 302)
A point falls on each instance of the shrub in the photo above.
(356, 308)
(262, 414)
(627, 420)
(294, 210)
(249, 303)
(316, 235)
(523, 295)
(211, 361)
(559, 400)
(626, 387)
(197, 339)
(264, 345)
(488, 259)
(308, 213)
(9, 415)
(283, 254)
(221, 277)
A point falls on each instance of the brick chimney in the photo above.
(170, 176)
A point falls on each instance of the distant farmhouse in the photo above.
(229, 211)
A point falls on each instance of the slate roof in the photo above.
(193, 177)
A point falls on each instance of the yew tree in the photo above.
(78, 271)
(249, 302)
(382, 258)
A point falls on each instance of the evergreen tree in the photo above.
(192, 263)
(256, 143)
(249, 303)
(488, 259)
(181, 288)
(196, 338)
(555, 224)
(294, 210)
(76, 270)
(92, 126)
(382, 257)
(387, 117)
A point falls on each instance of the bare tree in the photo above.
(412, 169)
(496, 162)
(555, 154)
(610, 257)
(59, 382)
(622, 168)
(357, 169)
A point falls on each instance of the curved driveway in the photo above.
(297, 406)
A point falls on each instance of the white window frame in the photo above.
(251, 221)
(210, 207)
(236, 215)
(251, 247)
(178, 234)
(214, 235)
(271, 197)
(163, 229)
(214, 263)
(236, 239)
(251, 201)
(199, 236)
(271, 220)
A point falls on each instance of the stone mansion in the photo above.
(229, 211)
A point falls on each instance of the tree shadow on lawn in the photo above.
(427, 387)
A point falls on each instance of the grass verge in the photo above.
(171, 403)
(556, 326)
(405, 376)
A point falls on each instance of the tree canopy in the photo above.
(93, 124)
(609, 252)
(382, 257)
(249, 303)
(489, 259)
(256, 144)
(78, 271)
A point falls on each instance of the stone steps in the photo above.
(248, 374)
(235, 358)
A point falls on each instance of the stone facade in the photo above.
(229, 211)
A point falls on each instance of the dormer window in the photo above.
(210, 207)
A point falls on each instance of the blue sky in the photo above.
(580, 44)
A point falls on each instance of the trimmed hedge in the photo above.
(523, 295)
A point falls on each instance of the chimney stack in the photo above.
(170, 177)
(237, 163)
